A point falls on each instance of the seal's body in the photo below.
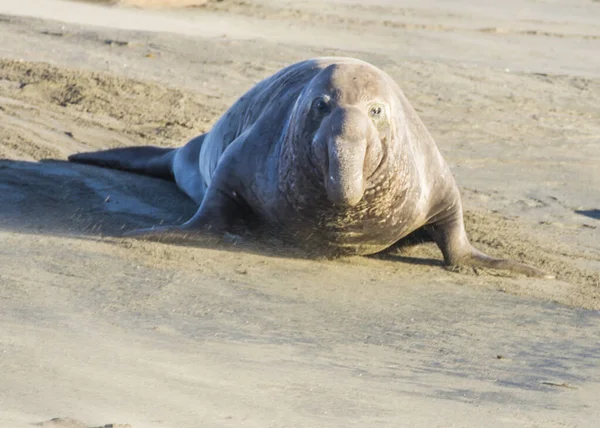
(327, 153)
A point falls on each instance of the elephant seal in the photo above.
(327, 152)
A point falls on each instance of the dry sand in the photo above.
(96, 329)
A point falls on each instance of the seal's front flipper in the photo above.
(146, 160)
(451, 237)
(478, 259)
(172, 234)
(218, 215)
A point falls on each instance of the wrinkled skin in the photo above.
(327, 153)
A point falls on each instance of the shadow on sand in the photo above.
(595, 214)
(62, 198)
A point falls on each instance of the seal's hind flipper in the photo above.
(146, 160)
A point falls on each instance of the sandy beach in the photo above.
(97, 330)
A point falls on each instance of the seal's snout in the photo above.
(345, 183)
(346, 150)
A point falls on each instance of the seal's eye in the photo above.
(321, 104)
(375, 112)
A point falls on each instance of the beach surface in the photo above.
(97, 330)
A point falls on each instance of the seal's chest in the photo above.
(369, 227)
(369, 223)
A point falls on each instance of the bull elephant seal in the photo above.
(328, 152)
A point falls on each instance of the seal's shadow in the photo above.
(57, 197)
(62, 198)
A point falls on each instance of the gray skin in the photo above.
(327, 153)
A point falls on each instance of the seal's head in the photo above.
(344, 115)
